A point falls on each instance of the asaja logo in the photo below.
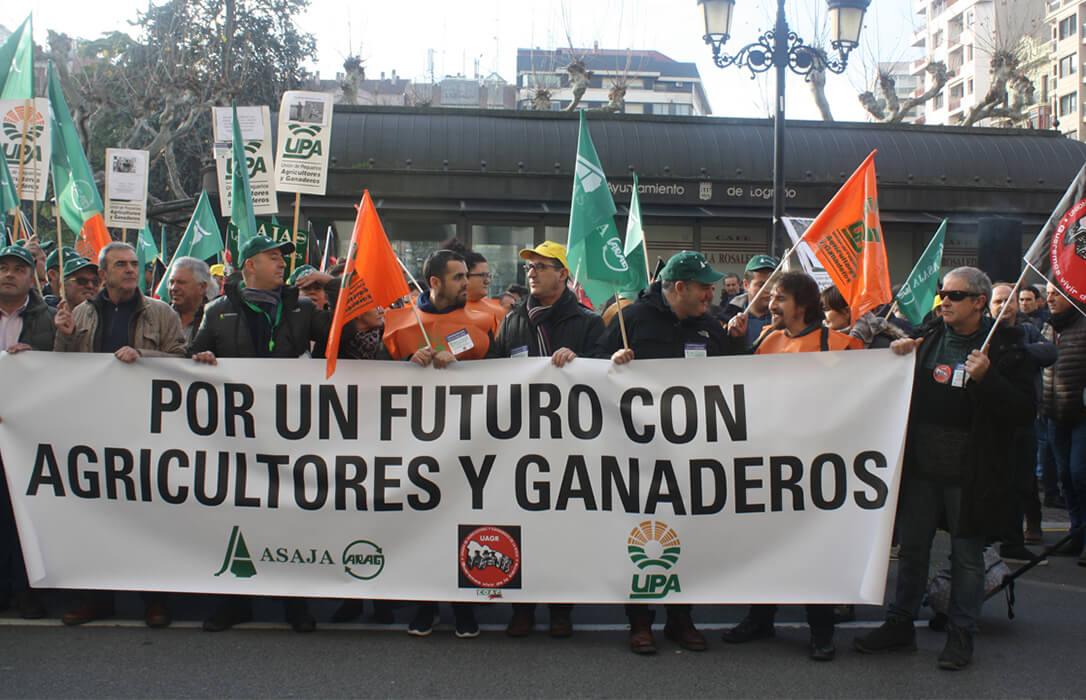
(588, 174)
(653, 545)
(489, 556)
(363, 560)
(12, 126)
(613, 257)
(237, 558)
(303, 142)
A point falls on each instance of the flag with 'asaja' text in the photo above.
(917, 293)
(371, 276)
(1059, 252)
(846, 237)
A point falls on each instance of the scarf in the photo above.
(539, 317)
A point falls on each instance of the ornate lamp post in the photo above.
(780, 48)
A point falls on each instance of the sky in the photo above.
(400, 35)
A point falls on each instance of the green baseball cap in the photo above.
(262, 244)
(690, 265)
(52, 260)
(762, 262)
(75, 264)
(300, 272)
(17, 251)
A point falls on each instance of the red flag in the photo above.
(371, 277)
(847, 239)
(93, 238)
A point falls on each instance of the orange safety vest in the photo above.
(491, 307)
(820, 338)
(402, 335)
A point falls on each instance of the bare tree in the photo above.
(889, 108)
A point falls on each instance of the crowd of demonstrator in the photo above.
(985, 422)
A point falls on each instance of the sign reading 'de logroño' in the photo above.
(305, 133)
(497, 479)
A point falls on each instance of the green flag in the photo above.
(202, 239)
(9, 198)
(17, 64)
(594, 249)
(146, 252)
(917, 295)
(73, 179)
(634, 247)
(241, 205)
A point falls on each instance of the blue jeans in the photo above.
(921, 503)
(1068, 442)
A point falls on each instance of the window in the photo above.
(937, 39)
(1067, 65)
(937, 101)
(1068, 26)
(969, 18)
(500, 245)
(681, 110)
(969, 52)
(532, 80)
(1068, 104)
(969, 87)
(957, 91)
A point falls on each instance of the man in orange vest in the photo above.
(796, 306)
(453, 332)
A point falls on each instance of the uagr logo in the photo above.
(653, 544)
(613, 257)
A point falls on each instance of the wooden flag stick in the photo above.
(294, 230)
(893, 308)
(621, 321)
(1002, 309)
(60, 260)
(418, 316)
(769, 280)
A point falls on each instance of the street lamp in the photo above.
(780, 48)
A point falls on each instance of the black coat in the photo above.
(1001, 403)
(655, 332)
(572, 326)
(224, 329)
(38, 329)
(1064, 381)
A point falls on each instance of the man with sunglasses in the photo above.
(967, 403)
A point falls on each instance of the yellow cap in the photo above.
(548, 249)
(218, 270)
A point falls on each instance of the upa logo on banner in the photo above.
(489, 558)
(363, 560)
(237, 558)
(653, 545)
(304, 141)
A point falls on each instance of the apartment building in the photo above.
(1063, 86)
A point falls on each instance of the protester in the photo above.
(670, 319)
(1062, 407)
(26, 323)
(361, 338)
(39, 251)
(759, 269)
(959, 457)
(218, 274)
(478, 283)
(52, 272)
(507, 301)
(796, 307)
(1023, 483)
(1030, 301)
(732, 288)
(120, 320)
(310, 283)
(190, 287)
(519, 291)
(873, 331)
(81, 281)
(552, 323)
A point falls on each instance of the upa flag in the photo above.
(78, 198)
(146, 253)
(202, 240)
(847, 239)
(9, 198)
(17, 64)
(371, 276)
(241, 197)
(917, 294)
(1059, 252)
(594, 249)
(634, 247)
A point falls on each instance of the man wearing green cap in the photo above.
(81, 282)
(757, 272)
(310, 283)
(671, 319)
(260, 317)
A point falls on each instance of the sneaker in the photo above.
(748, 630)
(958, 651)
(423, 622)
(1020, 555)
(896, 634)
(466, 626)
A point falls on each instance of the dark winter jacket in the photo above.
(655, 331)
(571, 325)
(38, 330)
(1064, 381)
(225, 327)
(1002, 402)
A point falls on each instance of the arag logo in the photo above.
(653, 548)
(363, 560)
(303, 142)
(237, 559)
(489, 557)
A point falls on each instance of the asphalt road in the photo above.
(1038, 654)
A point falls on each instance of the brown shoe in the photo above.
(522, 622)
(561, 625)
(641, 641)
(157, 615)
(680, 629)
(88, 611)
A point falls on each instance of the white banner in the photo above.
(30, 155)
(255, 125)
(716, 480)
(305, 134)
(126, 188)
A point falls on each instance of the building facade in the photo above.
(1068, 59)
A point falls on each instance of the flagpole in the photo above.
(324, 255)
(621, 321)
(60, 260)
(776, 270)
(893, 308)
(294, 229)
(1002, 309)
(418, 316)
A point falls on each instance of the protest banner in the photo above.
(126, 188)
(255, 123)
(499, 479)
(275, 232)
(305, 131)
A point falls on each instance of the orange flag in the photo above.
(847, 239)
(93, 238)
(371, 277)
